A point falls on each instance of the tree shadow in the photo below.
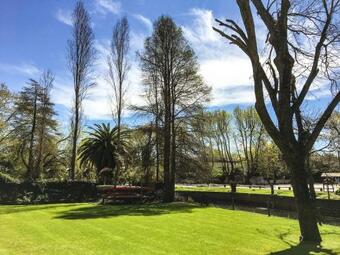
(107, 211)
(8, 209)
(304, 248)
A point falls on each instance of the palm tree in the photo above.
(99, 149)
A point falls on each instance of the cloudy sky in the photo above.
(34, 34)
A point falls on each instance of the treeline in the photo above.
(210, 146)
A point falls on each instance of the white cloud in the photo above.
(97, 105)
(64, 16)
(223, 66)
(105, 6)
(147, 22)
(136, 41)
(23, 68)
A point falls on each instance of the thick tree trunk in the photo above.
(157, 150)
(30, 170)
(173, 159)
(167, 196)
(305, 208)
(233, 186)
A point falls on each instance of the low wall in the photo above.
(51, 192)
(326, 207)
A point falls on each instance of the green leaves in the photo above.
(100, 148)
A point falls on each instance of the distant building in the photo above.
(335, 177)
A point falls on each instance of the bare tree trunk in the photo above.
(305, 207)
(157, 133)
(157, 151)
(118, 165)
(310, 179)
(40, 147)
(30, 169)
(173, 153)
(75, 135)
(166, 162)
(167, 145)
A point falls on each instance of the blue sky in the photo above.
(34, 34)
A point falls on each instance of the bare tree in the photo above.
(303, 49)
(81, 56)
(118, 70)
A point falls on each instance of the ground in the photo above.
(178, 228)
(254, 190)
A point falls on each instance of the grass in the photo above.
(322, 195)
(178, 228)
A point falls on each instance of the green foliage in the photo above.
(35, 127)
(337, 192)
(5, 177)
(100, 148)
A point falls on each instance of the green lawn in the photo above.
(281, 192)
(178, 228)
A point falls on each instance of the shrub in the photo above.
(337, 192)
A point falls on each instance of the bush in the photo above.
(50, 192)
(337, 192)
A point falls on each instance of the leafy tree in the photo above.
(270, 164)
(100, 148)
(34, 125)
(6, 143)
(170, 63)
(6, 111)
(192, 154)
(333, 128)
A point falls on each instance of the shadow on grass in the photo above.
(304, 248)
(7, 209)
(106, 211)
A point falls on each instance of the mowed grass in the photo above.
(263, 191)
(177, 228)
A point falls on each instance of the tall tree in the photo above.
(168, 57)
(45, 118)
(81, 55)
(34, 124)
(222, 135)
(251, 134)
(333, 128)
(118, 70)
(6, 111)
(303, 48)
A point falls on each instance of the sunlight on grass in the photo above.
(262, 191)
(178, 228)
